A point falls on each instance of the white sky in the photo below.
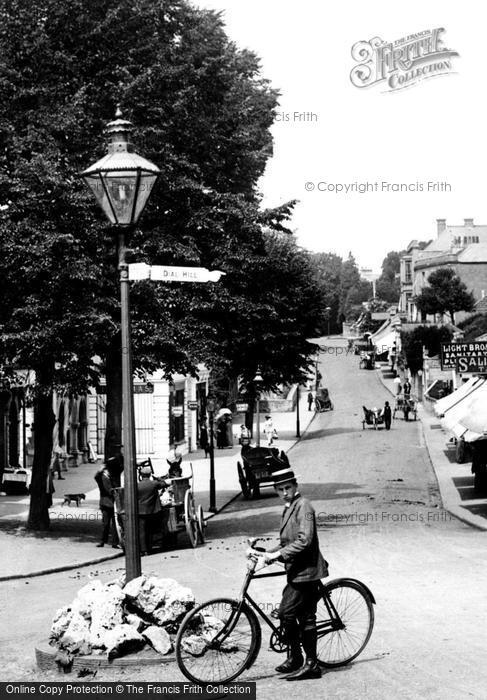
(434, 131)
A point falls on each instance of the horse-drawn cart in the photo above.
(323, 401)
(179, 512)
(257, 467)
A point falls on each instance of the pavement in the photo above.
(455, 481)
(75, 531)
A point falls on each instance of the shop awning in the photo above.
(467, 418)
(443, 405)
(384, 338)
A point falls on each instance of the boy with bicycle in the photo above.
(305, 566)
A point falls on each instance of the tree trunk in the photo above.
(41, 485)
(113, 434)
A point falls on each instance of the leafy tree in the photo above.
(327, 271)
(388, 286)
(445, 293)
(349, 285)
(430, 337)
(203, 113)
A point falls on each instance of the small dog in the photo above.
(76, 497)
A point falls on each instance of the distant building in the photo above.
(406, 276)
(462, 248)
(163, 418)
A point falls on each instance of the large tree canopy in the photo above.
(202, 113)
(388, 285)
(445, 293)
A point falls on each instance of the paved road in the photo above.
(380, 520)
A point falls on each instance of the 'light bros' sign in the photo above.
(464, 357)
(401, 63)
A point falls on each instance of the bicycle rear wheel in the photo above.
(341, 639)
(216, 643)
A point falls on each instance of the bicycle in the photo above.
(220, 639)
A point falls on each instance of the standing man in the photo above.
(204, 441)
(310, 400)
(269, 431)
(106, 481)
(407, 389)
(305, 566)
(149, 507)
(387, 413)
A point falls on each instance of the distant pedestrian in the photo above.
(310, 400)
(221, 434)
(174, 459)
(106, 481)
(244, 435)
(204, 441)
(56, 462)
(387, 413)
(319, 377)
(407, 389)
(269, 431)
(229, 430)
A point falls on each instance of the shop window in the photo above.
(176, 405)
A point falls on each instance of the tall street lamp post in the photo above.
(328, 310)
(122, 182)
(258, 383)
(210, 406)
(298, 397)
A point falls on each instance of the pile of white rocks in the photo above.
(115, 620)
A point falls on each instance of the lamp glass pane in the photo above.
(96, 185)
(121, 188)
(147, 181)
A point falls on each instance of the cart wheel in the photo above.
(331, 406)
(190, 519)
(317, 405)
(201, 524)
(243, 482)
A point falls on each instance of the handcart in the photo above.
(408, 405)
(373, 417)
(257, 467)
(367, 360)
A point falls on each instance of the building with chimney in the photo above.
(460, 247)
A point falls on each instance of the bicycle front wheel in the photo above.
(344, 619)
(217, 642)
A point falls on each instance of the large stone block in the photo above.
(159, 639)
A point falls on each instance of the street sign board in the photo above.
(167, 273)
(177, 411)
(464, 357)
(192, 405)
(242, 407)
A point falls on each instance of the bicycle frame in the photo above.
(333, 624)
